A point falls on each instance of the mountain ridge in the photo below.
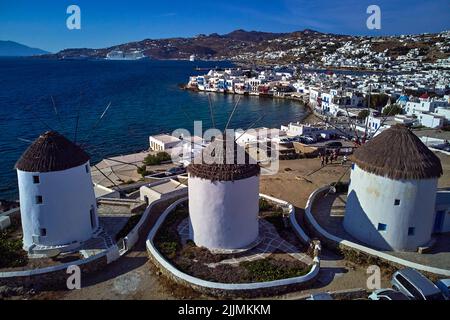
(10, 48)
(252, 47)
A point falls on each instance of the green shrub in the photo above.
(392, 110)
(143, 171)
(363, 114)
(169, 249)
(167, 239)
(11, 252)
(264, 205)
(160, 157)
(270, 269)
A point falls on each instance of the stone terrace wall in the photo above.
(54, 277)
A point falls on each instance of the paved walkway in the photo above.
(270, 242)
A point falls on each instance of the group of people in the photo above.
(328, 158)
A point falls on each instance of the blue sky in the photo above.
(42, 23)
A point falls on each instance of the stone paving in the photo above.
(269, 242)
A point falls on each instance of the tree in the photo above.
(363, 114)
(160, 157)
(377, 100)
(392, 110)
(143, 171)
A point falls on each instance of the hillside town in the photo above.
(308, 49)
(374, 101)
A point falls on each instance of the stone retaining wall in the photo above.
(133, 236)
(54, 277)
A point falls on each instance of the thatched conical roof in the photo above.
(51, 152)
(224, 161)
(397, 153)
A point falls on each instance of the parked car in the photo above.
(335, 144)
(414, 285)
(387, 294)
(444, 286)
(285, 140)
(320, 296)
(302, 139)
(175, 171)
(310, 138)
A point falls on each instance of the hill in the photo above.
(14, 49)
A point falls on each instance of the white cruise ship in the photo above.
(120, 55)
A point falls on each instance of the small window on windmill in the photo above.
(42, 232)
(397, 202)
(36, 179)
(38, 199)
(411, 231)
(93, 220)
(382, 227)
(87, 168)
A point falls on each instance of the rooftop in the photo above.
(397, 153)
(51, 152)
(165, 138)
(222, 161)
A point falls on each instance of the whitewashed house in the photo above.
(431, 120)
(163, 142)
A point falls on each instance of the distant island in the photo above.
(14, 49)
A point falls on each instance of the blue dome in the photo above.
(403, 98)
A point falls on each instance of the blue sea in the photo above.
(145, 99)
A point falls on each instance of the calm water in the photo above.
(145, 100)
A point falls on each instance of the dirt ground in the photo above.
(297, 179)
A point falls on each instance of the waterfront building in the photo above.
(57, 202)
(392, 192)
(299, 129)
(259, 135)
(224, 197)
(163, 142)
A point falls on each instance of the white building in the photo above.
(431, 120)
(260, 135)
(163, 189)
(424, 104)
(224, 198)
(392, 193)
(299, 129)
(57, 202)
(163, 142)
